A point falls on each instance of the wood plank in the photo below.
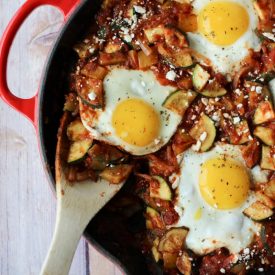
(27, 206)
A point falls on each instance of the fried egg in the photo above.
(133, 118)
(226, 32)
(213, 190)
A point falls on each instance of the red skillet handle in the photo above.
(24, 106)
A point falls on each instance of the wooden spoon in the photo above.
(77, 204)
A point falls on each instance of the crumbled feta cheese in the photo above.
(196, 147)
(92, 95)
(238, 91)
(240, 105)
(253, 88)
(203, 136)
(236, 120)
(127, 38)
(259, 89)
(171, 75)
(222, 270)
(139, 9)
(261, 269)
(269, 35)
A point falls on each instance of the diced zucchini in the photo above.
(98, 160)
(181, 142)
(264, 113)
(153, 219)
(268, 159)
(90, 91)
(145, 61)
(111, 58)
(258, 211)
(116, 174)
(71, 103)
(182, 60)
(102, 155)
(76, 131)
(204, 132)
(179, 101)
(157, 256)
(188, 22)
(160, 189)
(264, 199)
(200, 77)
(169, 260)
(153, 34)
(78, 150)
(213, 89)
(173, 240)
(269, 189)
(184, 264)
(175, 38)
(112, 47)
(243, 131)
(95, 71)
(265, 134)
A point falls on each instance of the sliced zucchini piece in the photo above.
(264, 113)
(264, 199)
(98, 159)
(153, 34)
(76, 131)
(157, 256)
(243, 132)
(173, 240)
(258, 211)
(169, 260)
(182, 60)
(90, 91)
(184, 264)
(78, 150)
(200, 77)
(153, 219)
(213, 89)
(112, 47)
(179, 101)
(265, 134)
(204, 132)
(95, 71)
(116, 174)
(269, 189)
(111, 58)
(160, 189)
(268, 159)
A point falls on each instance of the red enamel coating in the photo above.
(24, 106)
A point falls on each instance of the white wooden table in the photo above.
(27, 206)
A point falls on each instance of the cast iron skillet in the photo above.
(108, 231)
(45, 110)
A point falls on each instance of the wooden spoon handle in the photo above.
(68, 230)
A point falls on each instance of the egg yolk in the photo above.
(136, 122)
(224, 183)
(223, 23)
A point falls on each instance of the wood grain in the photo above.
(27, 206)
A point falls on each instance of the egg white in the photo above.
(121, 84)
(216, 228)
(227, 59)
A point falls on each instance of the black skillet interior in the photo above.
(115, 230)
(112, 232)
